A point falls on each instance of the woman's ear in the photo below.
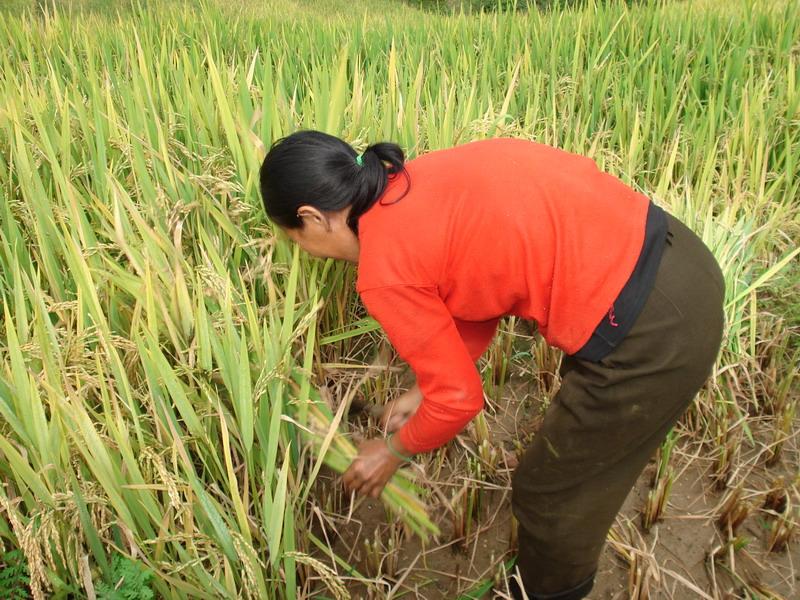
(313, 216)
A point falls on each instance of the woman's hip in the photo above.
(682, 321)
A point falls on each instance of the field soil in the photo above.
(686, 554)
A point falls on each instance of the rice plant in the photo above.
(164, 350)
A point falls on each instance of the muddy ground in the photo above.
(686, 554)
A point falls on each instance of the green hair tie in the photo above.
(360, 160)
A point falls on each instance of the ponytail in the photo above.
(320, 170)
(374, 176)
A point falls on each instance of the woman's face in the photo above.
(324, 235)
(316, 243)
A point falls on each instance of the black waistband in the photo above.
(623, 312)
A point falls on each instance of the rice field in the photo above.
(179, 385)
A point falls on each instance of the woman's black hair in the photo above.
(320, 170)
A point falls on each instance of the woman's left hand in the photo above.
(371, 469)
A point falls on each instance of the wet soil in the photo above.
(684, 555)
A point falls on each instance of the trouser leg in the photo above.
(609, 417)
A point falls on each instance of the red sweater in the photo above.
(491, 228)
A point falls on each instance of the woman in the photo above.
(450, 242)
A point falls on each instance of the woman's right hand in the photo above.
(396, 412)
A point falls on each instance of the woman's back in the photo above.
(505, 226)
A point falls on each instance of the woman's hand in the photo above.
(396, 412)
(371, 469)
(375, 464)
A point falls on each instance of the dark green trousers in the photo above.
(609, 417)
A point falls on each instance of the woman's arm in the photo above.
(397, 411)
(425, 335)
(423, 332)
(477, 335)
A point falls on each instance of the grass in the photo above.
(162, 349)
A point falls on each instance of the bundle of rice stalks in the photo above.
(336, 450)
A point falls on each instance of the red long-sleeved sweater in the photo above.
(491, 228)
